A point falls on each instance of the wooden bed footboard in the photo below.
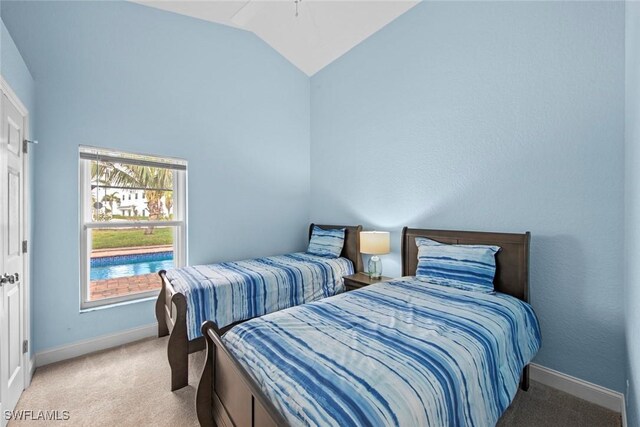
(161, 306)
(171, 313)
(227, 395)
(524, 379)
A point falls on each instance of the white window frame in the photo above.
(179, 224)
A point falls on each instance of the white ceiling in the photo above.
(323, 31)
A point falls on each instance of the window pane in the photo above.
(121, 191)
(126, 261)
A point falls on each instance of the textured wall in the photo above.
(486, 116)
(121, 75)
(632, 217)
(497, 116)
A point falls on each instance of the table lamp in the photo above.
(375, 243)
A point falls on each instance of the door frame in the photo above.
(25, 332)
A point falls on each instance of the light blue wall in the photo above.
(134, 78)
(15, 71)
(497, 116)
(488, 116)
(632, 218)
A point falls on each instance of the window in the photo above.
(125, 244)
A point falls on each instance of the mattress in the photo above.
(404, 352)
(230, 292)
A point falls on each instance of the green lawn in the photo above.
(126, 238)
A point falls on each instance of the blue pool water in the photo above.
(113, 267)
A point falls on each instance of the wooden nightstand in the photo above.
(360, 280)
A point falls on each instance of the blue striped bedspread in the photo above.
(404, 352)
(229, 292)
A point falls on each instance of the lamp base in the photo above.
(375, 267)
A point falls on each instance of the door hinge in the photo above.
(25, 144)
(24, 246)
(25, 346)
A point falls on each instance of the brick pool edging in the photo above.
(109, 288)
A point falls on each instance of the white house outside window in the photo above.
(126, 240)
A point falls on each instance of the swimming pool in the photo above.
(112, 267)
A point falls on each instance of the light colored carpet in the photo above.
(124, 386)
(129, 386)
(546, 406)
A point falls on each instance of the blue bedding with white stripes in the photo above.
(404, 352)
(229, 292)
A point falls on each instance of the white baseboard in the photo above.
(590, 392)
(104, 342)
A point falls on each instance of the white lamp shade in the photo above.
(374, 242)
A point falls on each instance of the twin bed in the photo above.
(230, 293)
(403, 352)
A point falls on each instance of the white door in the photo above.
(12, 259)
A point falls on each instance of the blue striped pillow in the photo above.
(470, 267)
(326, 243)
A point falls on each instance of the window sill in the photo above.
(115, 304)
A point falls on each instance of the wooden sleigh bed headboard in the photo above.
(512, 262)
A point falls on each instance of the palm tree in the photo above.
(156, 182)
(110, 199)
(168, 202)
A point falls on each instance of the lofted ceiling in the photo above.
(322, 31)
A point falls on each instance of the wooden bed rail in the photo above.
(227, 395)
